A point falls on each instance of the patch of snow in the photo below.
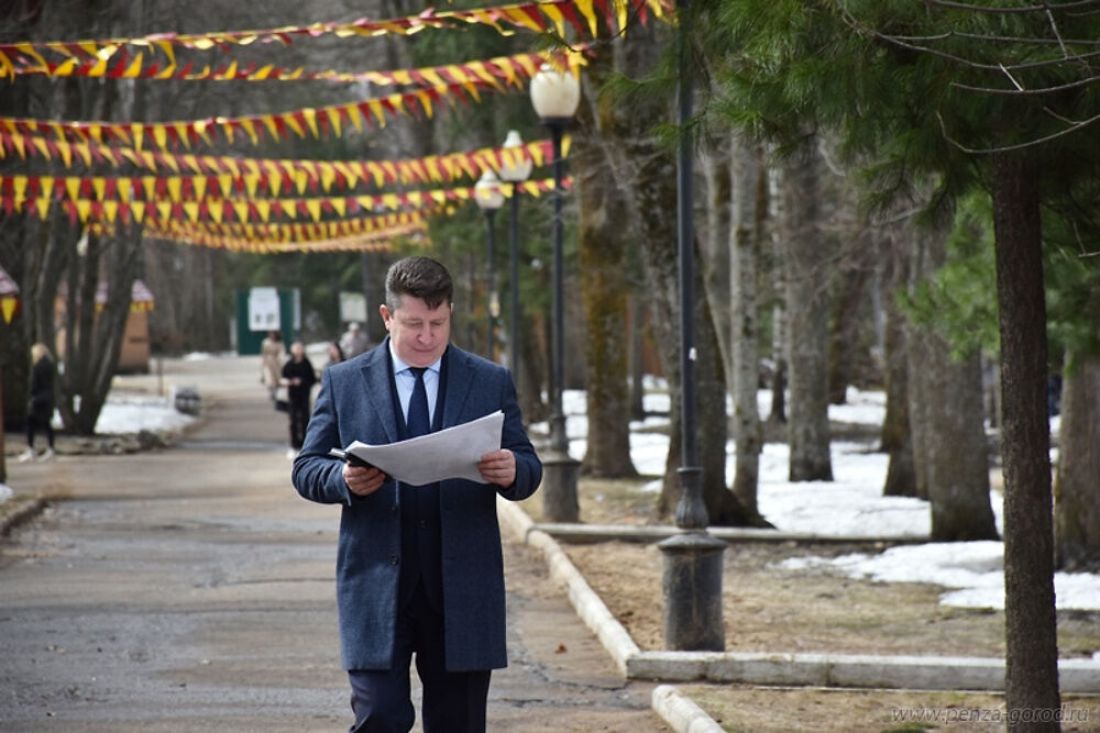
(133, 413)
(974, 569)
(5, 493)
(852, 504)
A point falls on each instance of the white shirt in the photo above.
(406, 383)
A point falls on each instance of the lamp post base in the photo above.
(692, 587)
(559, 487)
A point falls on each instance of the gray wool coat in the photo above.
(356, 402)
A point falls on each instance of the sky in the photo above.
(971, 573)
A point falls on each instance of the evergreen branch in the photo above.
(1018, 146)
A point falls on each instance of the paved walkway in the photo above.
(191, 589)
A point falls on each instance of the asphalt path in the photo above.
(191, 589)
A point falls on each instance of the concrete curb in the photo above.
(681, 714)
(18, 510)
(592, 533)
(821, 670)
(588, 605)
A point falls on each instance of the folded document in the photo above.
(450, 453)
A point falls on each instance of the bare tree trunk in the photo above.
(715, 248)
(603, 245)
(844, 335)
(1077, 489)
(806, 259)
(1031, 675)
(637, 349)
(958, 466)
(749, 205)
(897, 438)
(952, 448)
(777, 413)
(532, 369)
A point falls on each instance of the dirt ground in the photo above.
(778, 610)
(781, 710)
(814, 610)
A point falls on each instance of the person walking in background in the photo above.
(335, 354)
(299, 378)
(419, 568)
(354, 341)
(40, 405)
(271, 362)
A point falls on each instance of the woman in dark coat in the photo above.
(40, 407)
(299, 378)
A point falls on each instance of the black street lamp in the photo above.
(555, 95)
(489, 200)
(692, 581)
(515, 169)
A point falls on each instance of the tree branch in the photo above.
(1019, 146)
(1044, 8)
(1018, 90)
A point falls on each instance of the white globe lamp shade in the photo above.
(514, 169)
(555, 94)
(487, 192)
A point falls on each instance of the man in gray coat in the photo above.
(419, 568)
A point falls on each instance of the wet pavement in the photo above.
(191, 589)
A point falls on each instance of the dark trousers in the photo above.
(299, 418)
(454, 702)
(39, 421)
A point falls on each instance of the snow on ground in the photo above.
(5, 493)
(974, 569)
(128, 413)
(852, 504)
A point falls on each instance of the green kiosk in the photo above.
(260, 310)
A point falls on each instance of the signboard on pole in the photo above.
(353, 307)
(263, 309)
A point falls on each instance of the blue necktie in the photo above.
(418, 422)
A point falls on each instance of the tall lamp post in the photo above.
(692, 581)
(489, 200)
(555, 95)
(514, 170)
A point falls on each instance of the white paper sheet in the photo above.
(450, 453)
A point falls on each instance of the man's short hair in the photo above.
(419, 277)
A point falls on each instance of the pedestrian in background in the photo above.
(40, 405)
(354, 341)
(335, 354)
(271, 362)
(299, 378)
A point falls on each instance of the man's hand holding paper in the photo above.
(470, 451)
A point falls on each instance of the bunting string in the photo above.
(380, 242)
(84, 210)
(301, 123)
(177, 233)
(541, 17)
(230, 176)
(305, 231)
(507, 70)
